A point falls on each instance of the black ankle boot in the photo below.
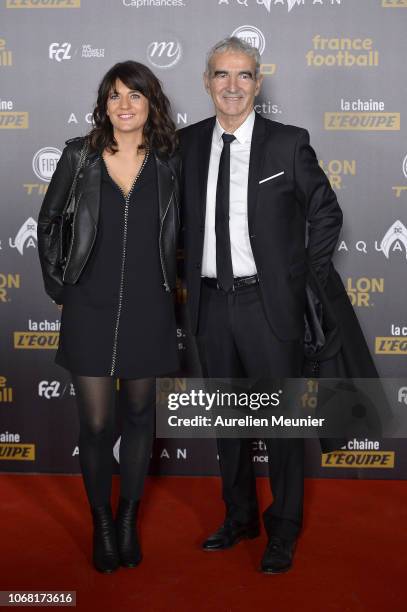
(127, 540)
(105, 553)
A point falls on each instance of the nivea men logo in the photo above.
(45, 161)
(405, 166)
(59, 51)
(164, 53)
(252, 35)
(26, 236)
(395, 236)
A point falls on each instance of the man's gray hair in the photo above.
(233, 43)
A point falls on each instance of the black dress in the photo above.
(118, 320)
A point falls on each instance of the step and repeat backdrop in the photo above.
(335, 67)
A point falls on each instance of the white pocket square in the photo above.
(273, 176)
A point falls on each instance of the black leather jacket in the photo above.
(87, 214)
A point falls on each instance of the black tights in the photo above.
(96, 401)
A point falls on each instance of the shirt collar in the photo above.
(243, 132)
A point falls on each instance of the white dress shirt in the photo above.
(242, 255)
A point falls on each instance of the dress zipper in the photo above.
(166, 284)
(124, 247)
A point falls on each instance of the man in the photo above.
(253, 191)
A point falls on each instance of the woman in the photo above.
(115, 288)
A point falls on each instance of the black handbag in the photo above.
(69, 213)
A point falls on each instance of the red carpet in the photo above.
(351, 556)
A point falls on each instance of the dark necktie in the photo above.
(224, 270)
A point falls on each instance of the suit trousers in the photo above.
(235, 340)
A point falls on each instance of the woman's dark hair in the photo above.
(159, 131)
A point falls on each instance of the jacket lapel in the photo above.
(165, 178)
(204, 153)
(91, 179)
(257, 155)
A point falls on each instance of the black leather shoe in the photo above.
(230, 533)
(278, 556)
(105, 553)
(127, 540)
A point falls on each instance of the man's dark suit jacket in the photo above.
(281, 212)
(304, 296)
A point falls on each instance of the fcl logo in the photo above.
(59, 52)
(49, 389)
